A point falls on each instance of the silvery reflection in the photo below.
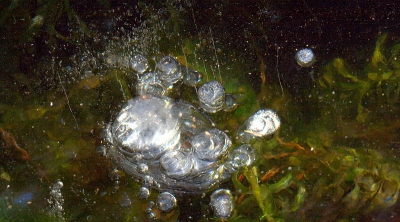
(152, 137)
(147, 125)
(211, 96)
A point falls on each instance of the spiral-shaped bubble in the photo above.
(211, 145)
(264, 122)
(149, 83)
(242, 156)
(176, 164)
(211, 96)
(169, 70)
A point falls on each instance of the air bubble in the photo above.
(143, 193)
(176, 164)
(166, 202)
(211, 145)
(139, 63)
(151, 128)
(242, 156)
(222, 203)
(142, 168)
(149, 83)
(191, 77)
(168, 69)
(264, 122)
(305, 57)
(211, 96)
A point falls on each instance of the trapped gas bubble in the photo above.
(211, 96)
(305, 57)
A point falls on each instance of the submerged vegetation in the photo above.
(338, 162)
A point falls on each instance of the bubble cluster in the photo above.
(172, 146)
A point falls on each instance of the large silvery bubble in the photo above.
(148, 126)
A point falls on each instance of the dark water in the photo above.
(65, 74)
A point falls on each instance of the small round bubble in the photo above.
(143, 193)
(149, 83)
(264, 122)
(176, 164)
(166, 202)
(139, 63)
(222, 203)
(168, 70)
(305, 57)
(191, 77)
(211, 145)
(211, 96)
(147, 125)
(142, 168)
(242, 156)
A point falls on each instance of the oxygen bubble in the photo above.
(191, 77)
(143, 193)
(101, 150)
(230, 103)
(148, 181)
(168, 70)
(139, 63)
(242, 156)
(264, 122)
(305, 57)
(211, 145)
(211, 96)
(176, 164)
(147, 125)
(166, 202)
(149, 83)
(125, 201)
(142, 168)
(221, 203)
